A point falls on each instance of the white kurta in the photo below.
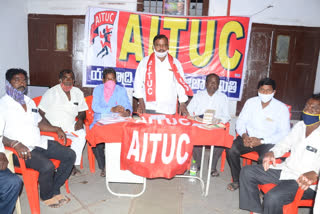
(202, 101)
(20, 125)
(62, 112)
(167, 87)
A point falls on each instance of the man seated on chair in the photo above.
(64, 106)
(262, 123)
(301, 168)
(108, 99)
(211, 99)
(23, 125)
(10, 183)
(159, 81)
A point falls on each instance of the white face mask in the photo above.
(160, 54)
(265, 97)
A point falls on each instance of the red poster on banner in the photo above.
(156, 150)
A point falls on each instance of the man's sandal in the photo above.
(214, 173)
(103, 172)
(52, 202)
(233, 186)
(62, 199)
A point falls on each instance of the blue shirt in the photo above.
(101, 107)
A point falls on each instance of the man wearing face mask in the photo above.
(300, 169)
(159, 80)
(64, 106)
(108, 98)
(262, 123)
(23, 124)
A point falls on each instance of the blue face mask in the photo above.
(310, 119)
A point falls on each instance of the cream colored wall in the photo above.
(77, 7)
(284, 12)
(13, 37)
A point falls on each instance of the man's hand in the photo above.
(3, 161)
(141, 106)
(183, 109)
(61, 135)
(268, 158)
(254, 142)
(78, 125)
(306, 179)
(246, 140)
(126, 113)
(23, 151)
(118, 109)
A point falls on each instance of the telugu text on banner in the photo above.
(203, 45)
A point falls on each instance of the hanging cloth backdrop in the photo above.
(203, 45)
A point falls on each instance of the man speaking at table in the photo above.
(159, 80)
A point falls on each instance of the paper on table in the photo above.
(210, 126)
(112, 119)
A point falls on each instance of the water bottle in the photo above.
(193, 171)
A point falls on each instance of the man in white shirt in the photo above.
(10, 184)
(211, 99)
(64, 106)
(262, 123)
(300, 169)
(23, 125)
(159, 80)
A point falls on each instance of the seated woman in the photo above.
(108, 98)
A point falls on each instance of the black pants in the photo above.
(237, 149)
(274, 200)
(50, 180)
(100, 155)
(197, 151)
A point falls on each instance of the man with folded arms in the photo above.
(300, 169)
(262, 123)
(64, 106)
(23, 125)
(159, 80)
